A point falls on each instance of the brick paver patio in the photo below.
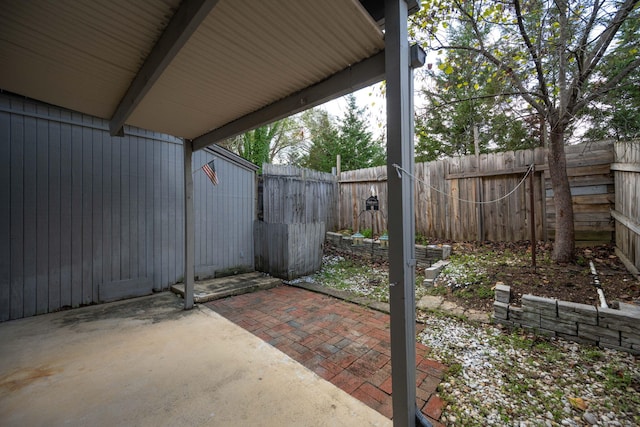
(344, 343)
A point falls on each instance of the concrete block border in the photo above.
(617, 329)
(425, 255)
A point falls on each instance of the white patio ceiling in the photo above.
(219, 61)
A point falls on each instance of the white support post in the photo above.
(189, 230)
(401, 213)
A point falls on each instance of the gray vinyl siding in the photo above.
(81, 211)
(224, 216)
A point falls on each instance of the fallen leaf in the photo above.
(578, 403)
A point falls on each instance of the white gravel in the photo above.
(503, 379)
(498, 378)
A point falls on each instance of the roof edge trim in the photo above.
(232, 157)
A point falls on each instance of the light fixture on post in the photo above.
(357, 239)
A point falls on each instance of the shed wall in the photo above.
(86, 217)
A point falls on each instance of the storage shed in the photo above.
(95, 218)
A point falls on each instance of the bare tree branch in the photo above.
(472, 98)
(534, 55)
(609, 85)
(605, 39)
(527, 95)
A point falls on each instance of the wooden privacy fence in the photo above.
(296, 206)
(626, 171)
(453, 196)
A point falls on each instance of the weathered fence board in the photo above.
(449, 193)
(626, 172)
(297, 204)
(297, 195)
(288, 251)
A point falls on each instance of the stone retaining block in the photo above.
(425, 255)
(605, 327)
(501, 310)
(503, 293)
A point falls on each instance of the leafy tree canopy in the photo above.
(556, 56)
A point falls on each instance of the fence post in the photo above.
(479, 192)
(338, 172)
(532, 218)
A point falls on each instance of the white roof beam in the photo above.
(362, 74)
(183, 24)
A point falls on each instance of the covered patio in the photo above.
(147, 362)
(207, 70)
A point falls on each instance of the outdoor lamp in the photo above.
(358, 239)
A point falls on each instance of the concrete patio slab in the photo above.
(146, 362)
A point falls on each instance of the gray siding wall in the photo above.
(224, 216)
(81, 211)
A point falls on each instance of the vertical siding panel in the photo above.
(141, 202)
(116, 210)
(97, 209)
(66, 184)
(230, 212)
(197, 207)
(54, 211)
(171, 187)
(17, 213)
(157, 217)
(107, 210)
(179, 206)
(165, 215)
(125, 227)
(30, 213)
(208, 213)
(42, 212)
(134, 174)
(5, 213)
(87, 214)
(213, 206)
(82, 209)
(150, 186)
(76, 213)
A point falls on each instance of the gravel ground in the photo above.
(514, 379)
(503, 378)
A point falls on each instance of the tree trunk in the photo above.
(565, 236)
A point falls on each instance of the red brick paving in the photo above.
(343, 343)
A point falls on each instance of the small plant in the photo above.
(454, 369)
(594, 354)
(422, 240)
(617, 378)
(436, 291)
(367, 233)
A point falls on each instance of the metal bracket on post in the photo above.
(417, 56)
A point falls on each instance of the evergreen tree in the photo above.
(350, 139)
(358, 150)
(324, 140)
(463, 98)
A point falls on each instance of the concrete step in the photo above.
(212, 289)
